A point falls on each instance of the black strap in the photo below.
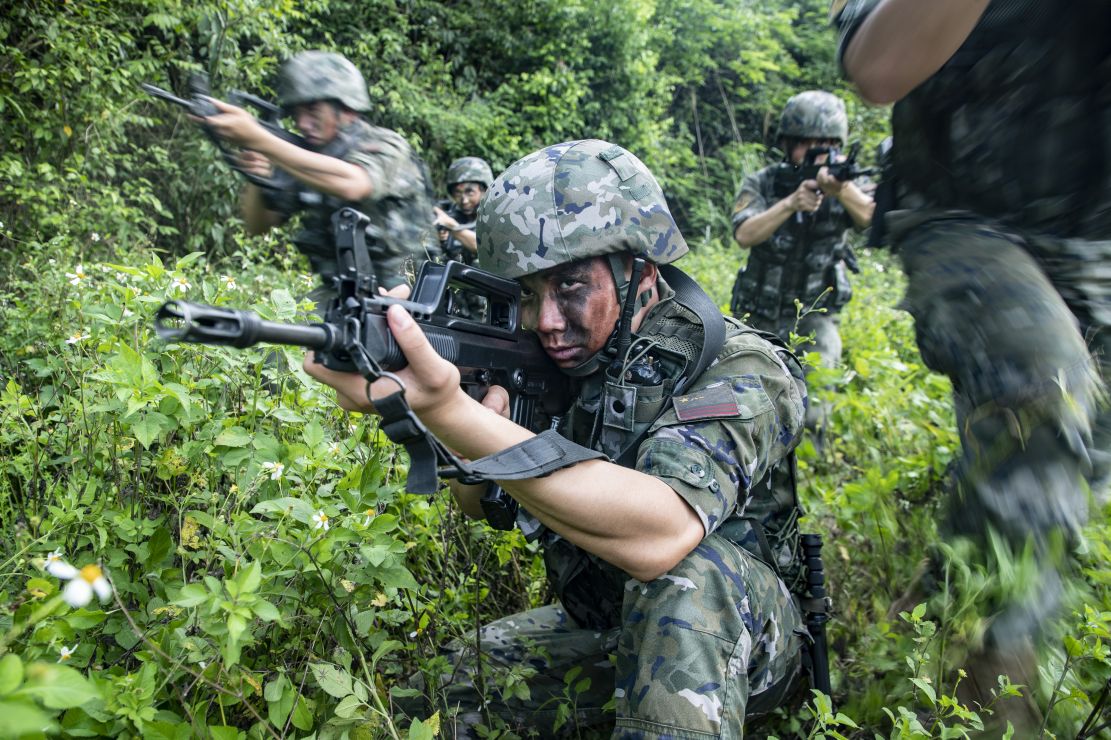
(690, 294)
(536, 457)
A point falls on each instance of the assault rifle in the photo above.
(199, 104)
(355, 336)
(788, 176)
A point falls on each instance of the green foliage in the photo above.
(271, 578)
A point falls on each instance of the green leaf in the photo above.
(299, 509)
(57, 686)
(334, 680)
(349, 707)
(926, 688)
(192, 595)
(222, 732)
(423, 730)
(237, 625)
(249, 578)
(22, 718)
(233, 437)
(302, 717)
(266, 611)
(11, 673)
(82, 619)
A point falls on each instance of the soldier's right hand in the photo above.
(807, 197)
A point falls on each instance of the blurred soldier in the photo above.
(656, 558)
(1002, 129)
(797, 232)
(348, 163)
(468, 178)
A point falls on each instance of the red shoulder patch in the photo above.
(715, 402)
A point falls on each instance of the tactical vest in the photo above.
(1017, 125)
(398, 225)
(609, 419)
(804, 260)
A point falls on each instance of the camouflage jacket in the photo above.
(1016, 126)
(801, 259)
(714, 445)
(399, 206)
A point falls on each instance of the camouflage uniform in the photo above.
(805, 259)
(1003, 223)
(720, 634)
(399, 206)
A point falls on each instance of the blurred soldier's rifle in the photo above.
(355, 336)
(269, 115)
(789, 176)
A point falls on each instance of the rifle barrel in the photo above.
(201, 324)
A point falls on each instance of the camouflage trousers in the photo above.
(821, 333)
(697, 648)
(1019, 324)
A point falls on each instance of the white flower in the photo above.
(57, 567)
(308, 280)
(66, 652)
(127, 312)
(276, 469)
(334, 449)
(77, 275)
(229, 282)
(77, 337)
(95, 237)
(320, 521)
(370, 514)
(82, 584)
(180, 284)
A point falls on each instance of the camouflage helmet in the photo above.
(469, 169)
(571, 201)
(814, 114)
(321, 75)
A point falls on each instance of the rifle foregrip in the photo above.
(499, 507)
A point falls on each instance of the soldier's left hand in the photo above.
(829, 184)
(235, 125)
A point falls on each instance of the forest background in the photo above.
(201, 485)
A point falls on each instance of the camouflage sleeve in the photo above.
(846, 16)
(743, 415)
(753, 198)
(389, 161)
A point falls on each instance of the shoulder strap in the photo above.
(690, 294)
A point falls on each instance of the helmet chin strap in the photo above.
(619, 339)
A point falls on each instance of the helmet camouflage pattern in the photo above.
(469, 169)
(814, 114)
(321, 75)
(570, 201)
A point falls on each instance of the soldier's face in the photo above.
(802, 146)
(318, 122)
(467, 195)
(573, 309)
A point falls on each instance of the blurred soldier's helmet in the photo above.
(469, 169)
(814, 114)
(570, 201)
(321, 75)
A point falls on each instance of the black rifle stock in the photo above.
(355, 336)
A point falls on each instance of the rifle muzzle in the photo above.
(181, 321)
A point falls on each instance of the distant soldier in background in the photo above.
(1002, 129)
(797, 234)
(350, 163)
(468, 178)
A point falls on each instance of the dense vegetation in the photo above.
(270, 577)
